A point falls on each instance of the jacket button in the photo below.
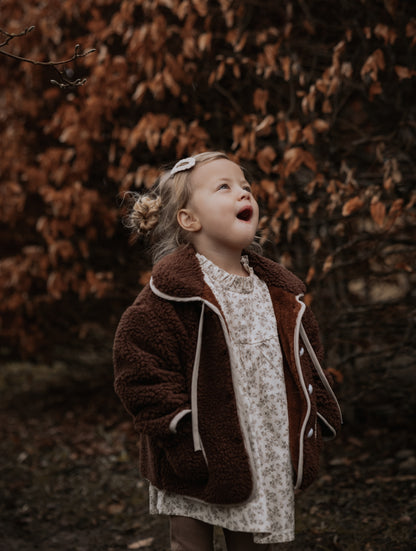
(310, 433)
(310, 388)
(301, 351)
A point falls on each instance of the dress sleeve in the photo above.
(148, 376)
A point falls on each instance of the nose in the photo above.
(244, 193)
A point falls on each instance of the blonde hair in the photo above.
(154, 214)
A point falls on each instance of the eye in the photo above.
(246, 186)
(223, 186)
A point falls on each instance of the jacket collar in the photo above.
(179, 274)
(275, 275)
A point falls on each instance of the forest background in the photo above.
(317, 101)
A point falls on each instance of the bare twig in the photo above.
(10, 36)
(63, 81)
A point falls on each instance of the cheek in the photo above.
(256, 212)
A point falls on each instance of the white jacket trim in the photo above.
(174, 423)
(321, 373)
(305, 391)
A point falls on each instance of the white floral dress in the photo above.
(258, 372)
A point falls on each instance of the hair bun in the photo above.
(144, 215)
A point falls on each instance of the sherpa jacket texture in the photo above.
(154, 353)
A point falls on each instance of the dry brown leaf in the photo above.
(236, 71)
(220, 71)
(295, 157)
(265, 158)
(375, 90)
(320, 125)
(168, 136)
(309, 160)
(269, 186)
(56, 285)
(339, 377)
(411, 30)
(275, 225)
(308, 26)
(313, 207)
(310, 275)
(329, 261)
(308, 134)
(115, 508)
(396, 208)
(239, 46)
(316, 244)
(271, 52)
(189, 48)
(204, 42)
(293, 227)
(367, 32)
(292, 159)
(140, 92)
(326, 106)
(383, 31)
(347, 69)
(201, 7)
(352, 206)
(412, 201)
(260, 99)
(285, 63)
(333, 85)
(284, 209)
(265, 126)
(404, 72)
(145, 278)
(170, 82)
(321, 85)
(378, 212)
(140, 544)
(281, 130)
(388, 183)
(157, 87)
(373, 64)
(62, 248)
(238, 133)
(294, 131)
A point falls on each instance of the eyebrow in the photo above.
(226, 179)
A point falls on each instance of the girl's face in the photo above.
(222, 213)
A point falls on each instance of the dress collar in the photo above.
(232, 282)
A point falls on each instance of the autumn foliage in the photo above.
(316, 99)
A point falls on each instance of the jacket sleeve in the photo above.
(148, 375)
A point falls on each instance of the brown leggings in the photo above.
(188, 534)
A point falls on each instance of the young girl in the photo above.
(217, 361)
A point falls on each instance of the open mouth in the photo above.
(245, 214)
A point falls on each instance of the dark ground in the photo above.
(69, 480)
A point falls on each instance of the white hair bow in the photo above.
(183, 164)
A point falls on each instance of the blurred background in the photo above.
(317, 101)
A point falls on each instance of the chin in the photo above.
(247, 244)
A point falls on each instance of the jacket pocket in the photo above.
(184, 461)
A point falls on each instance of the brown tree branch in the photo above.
(63, 81)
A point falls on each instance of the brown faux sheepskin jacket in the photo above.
(173, 375)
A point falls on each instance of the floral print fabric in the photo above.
(261, 396)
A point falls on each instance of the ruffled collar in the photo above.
(233, 282)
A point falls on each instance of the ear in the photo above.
(188, 221)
